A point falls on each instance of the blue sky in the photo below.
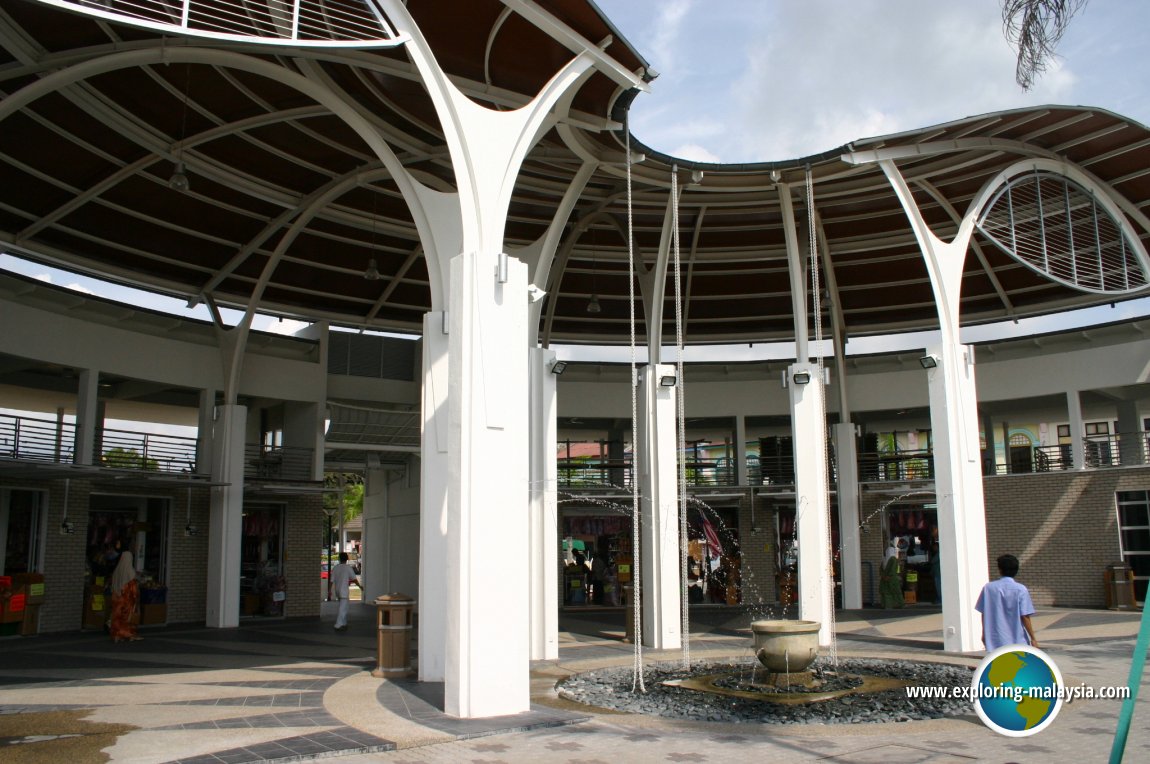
(764, 80)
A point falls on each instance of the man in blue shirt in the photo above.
(1006, 609)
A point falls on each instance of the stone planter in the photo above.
(786, 646)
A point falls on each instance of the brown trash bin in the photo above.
(394, 614)
(1119, 580)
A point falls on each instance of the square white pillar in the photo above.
(225, 525)
(850, 561)
(434, 466)
(542, 523)
(660, 584)
(812, 504)
(958, 490)
(488, 650)
(87, 417)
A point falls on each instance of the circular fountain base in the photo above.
(740, 692)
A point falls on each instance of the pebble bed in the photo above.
(612, 689)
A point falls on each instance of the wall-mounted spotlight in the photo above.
(191, 530)
(534, 293)
(558, 367)
(801, 378)
(667, 380)
(67, 527)
(928, 361)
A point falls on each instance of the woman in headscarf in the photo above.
(125, 599)
(890, 579)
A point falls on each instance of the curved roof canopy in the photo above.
(99, 113)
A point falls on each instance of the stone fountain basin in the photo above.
(708, 683)
(786, 646)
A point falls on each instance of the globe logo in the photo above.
(1017, 690)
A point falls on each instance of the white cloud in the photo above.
(694, 153)
(76, 287)
(45, 277)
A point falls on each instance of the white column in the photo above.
(542, 521)
(741, 450)
(1077, 429)
(488, 652)
(1131, 446)
(850, 561)
(812, 510)
(376, 541)
(87, 416)
(207, 413)
(660, 584)
(958, 489)
(434, 479)
(226, 518)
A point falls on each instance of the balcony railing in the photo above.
(1118, 450)
(128, 450)
(278, 463)
(898, 466)
(28, 438)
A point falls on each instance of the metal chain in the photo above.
(685, 624)
(636, 579)
(816, 288)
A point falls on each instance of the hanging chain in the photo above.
(685, 625)
(636, 580)
(816, 288)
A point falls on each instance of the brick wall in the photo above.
(305, 524)
(1062, 526)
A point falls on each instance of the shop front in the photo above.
(913, 530)
(263, 586)
(118, 524)
(595, 556)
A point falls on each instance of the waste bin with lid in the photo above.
(394, 614)
(1119, 579)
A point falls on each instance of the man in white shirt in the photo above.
(340, 579)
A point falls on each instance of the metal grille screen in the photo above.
(1059, 229)
(360, 355)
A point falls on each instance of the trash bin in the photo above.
(1119, 579)
(394, 614)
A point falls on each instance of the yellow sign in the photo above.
(36, 590)
(97, 602)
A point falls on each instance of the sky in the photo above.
(770, 80)
(767, 80)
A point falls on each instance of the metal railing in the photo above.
(1123, 449)
(28, 438)
(587, 472)
(278, 463)
(896, 466)
(155, 452)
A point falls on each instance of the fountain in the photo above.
(786, 646)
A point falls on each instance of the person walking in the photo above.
(340, 580)
(1006, 609)
(125, 600)
(890, 579)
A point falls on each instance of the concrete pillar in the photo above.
(812, 508)
(741, 477)
(225, 525)
(488, 650)
(1131, 443)
(850, 559)
(656, 475)
(207, 413)
(376, 544)
(542, 521)
(1077, 429)
(87, 416)
(958, 488)
(434, 479)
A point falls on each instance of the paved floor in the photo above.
(291, 691)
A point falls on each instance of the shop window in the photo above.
(263, 588)
(1134, 536)
(128, 523)
(20, 530)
